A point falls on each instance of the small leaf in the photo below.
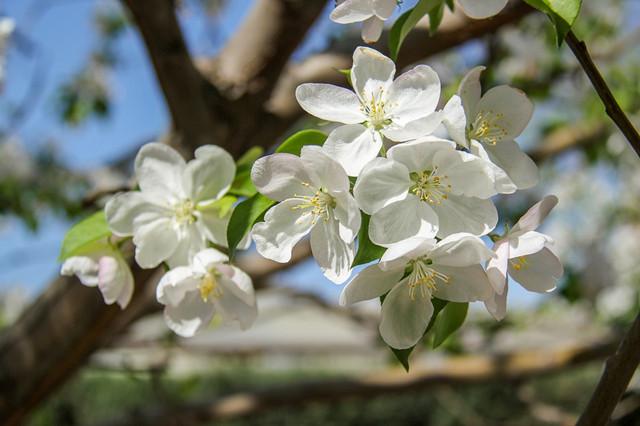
(406, 22)
(435, 18)
(84, 233)
(249, 157)
(293, 144)
(367, 251)
(403, 354)
(451, 319)
(242, 185)
(244, 216)
(563, 14)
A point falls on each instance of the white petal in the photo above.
(350, 11)
(535, 215)
(348, 215)
(497, 304)
(371, 73)
(155, 242)
(466, 284)
(502, 181)
(401, 220)
(353, 146)
(520, 168)
(510, 110)
(334, 256)
(214, 227)
(329, 102)
(465, 214)
(283, 227)
(206, 259)
(84, 267)
(384, 8)
(324, 171)
(281, 176)
(460, 249)
(372, 29)
(236, 304)
(470, 91)
(527, 243)
(480, 9)
(415, 129)
(175, 284)
(126, 208)
(418, 155)
(399, 254)
(370, 283)
(381, 182)
(190, 316)
(115, 280)
(455, 120)
(404, 320)
(467, 174)
(497, 267)
(190, 241)
(159, 169)
(415, 94)
(210, 174)
(538, 272)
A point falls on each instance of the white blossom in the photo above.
(174, 214)
(488, 124)
(480, 9)
(7, 27)
(313, 191)
(193, 294)
(372, 14)
(426, 188)
(414, 271)
(101, 265)
(526, 256)
(399, 110)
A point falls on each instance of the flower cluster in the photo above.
(425, 178)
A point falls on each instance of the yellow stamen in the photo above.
(519, 263)
(430, 187)
(209, 287)
(184, 212)
(425, 278)
(375, 109)
(486, 127)
(321, 204)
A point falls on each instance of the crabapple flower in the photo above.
(174, 214)
(399, 110)
(313, 191)
(480, 9)
(426, 188)
(7, 27)
(101, 265)
(415, 271)
(487, 125)
(193, 294)
(526, 256)
(372, 14)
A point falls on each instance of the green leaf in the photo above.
(435, 18)
(242, 185)
(249, 157)
(293, 145)
(84, 233)
(367, 251)
(451, 319)
(563, 14)
(403, 354)
(243, 218)
(347, 73)
(406, 22)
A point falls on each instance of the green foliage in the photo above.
(563, 14)
(294, 143)
(242, 185)
(84, 233)
(408, 20)
(244, 216)
(451, 319)
(367, 251)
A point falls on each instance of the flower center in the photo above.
(209, 287)
(519, 263)
(184, 212)
(424, 278)
(429, 186)
(375, 110)
(487, 128)
(320, 204)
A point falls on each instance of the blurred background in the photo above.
(79, 95)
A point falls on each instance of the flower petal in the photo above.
(236, 304)
(399, 254)
(155, 242)
(497, 304)
(404, 320)
(190, 315)
(281, 176)
(415, 129)
(418, 155)
(214, 227)
(159, 169)
(115, 280)
(190, 241)
(455, 121)
(206, 259)
(414, 94)
(323, 170)
(477, 9)
(527, 243)
(497, 267)
(538, 272)
(353, 146)
(334, 255)
(535, 215)
(509, 109)
(84, 267)
(461, 249)
(465, 214)
(175, 284)
(381, 182)
(467, 174)
(401, 220)
(348, 215)
(502, 182)
(329, 102)
(125, 209)
(285, 224)
(372, 29)
(370, 283)
(371, 73)
(470, 91)
(210, 174)
(350, 11)
(520, 168)
(384, 8)
(466, 284)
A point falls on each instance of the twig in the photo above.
(612, 107)
(618, 370)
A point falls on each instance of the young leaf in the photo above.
(242, 185)
(249, 157)
(435, 18)
(243, 217)
(367, 251)
(84, 233)
(451, 319)
(405, 23)
(403, 354)
(563, 14)
(293, 145)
